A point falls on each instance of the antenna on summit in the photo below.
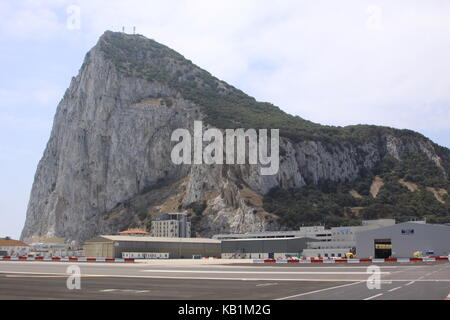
(134, 30)
(123, 29)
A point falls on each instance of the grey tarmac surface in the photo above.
(47, 280)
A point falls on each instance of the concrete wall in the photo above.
(258, 255)
(332, 252)
(99, 250)
(252, 248)
(176, 250)
(424, 237)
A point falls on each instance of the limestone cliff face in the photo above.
(109, 141)
(107, 164)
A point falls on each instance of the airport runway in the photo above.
(47, 280)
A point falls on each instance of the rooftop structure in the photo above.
(133, 232)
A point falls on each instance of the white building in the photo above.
(52, 247)
(403, 240)
(9, 247)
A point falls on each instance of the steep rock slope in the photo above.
(107, 164)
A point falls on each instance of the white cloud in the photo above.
(43, 96)
(329, 66)
(29, 19)
(322, 60)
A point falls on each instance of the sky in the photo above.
(332, 62)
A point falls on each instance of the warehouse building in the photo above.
(265, 248)
(403, 240)
(106, 246)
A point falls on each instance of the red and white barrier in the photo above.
(65, 259)
(322, 260)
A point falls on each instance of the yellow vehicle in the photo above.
(350, 255)
(417, 254)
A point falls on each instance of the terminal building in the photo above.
(403, 240)
(106, 246)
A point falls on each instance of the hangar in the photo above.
(403, 240)
(178, 248)
(265, 248)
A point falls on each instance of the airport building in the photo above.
(315, 232)
(171, 225)
(403, 240)
(264, 248)
(316, 241)
(106, 246)
(343, 239)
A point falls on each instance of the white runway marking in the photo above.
(373, 297)
(266, 284)
(392, 290)
(304, 266)
(259, 272)
(222, 278)
(321, 290)
(125, 290)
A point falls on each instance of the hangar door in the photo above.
(383, 248)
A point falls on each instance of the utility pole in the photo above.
(134, 30)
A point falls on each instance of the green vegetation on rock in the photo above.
(224, 105)
(331, 203)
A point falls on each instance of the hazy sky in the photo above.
(332, 62)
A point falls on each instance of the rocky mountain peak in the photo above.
(107, 164)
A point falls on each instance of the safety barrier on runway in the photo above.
(66, 259)
(322, 260)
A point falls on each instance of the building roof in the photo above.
(133, 231)
(268, 239)
(410, 224)
(102, 238)
(12, 243)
